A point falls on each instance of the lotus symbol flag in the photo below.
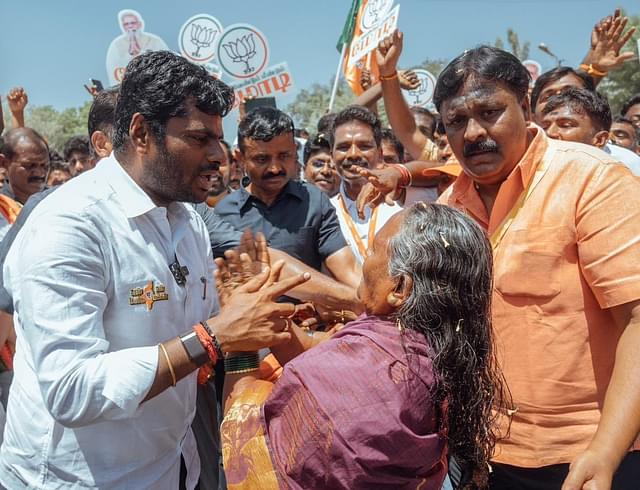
(202, 37)
(241, 51)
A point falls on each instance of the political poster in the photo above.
(198, 38)
(423, 94)
(273, 81)
(367, 41)
(534, 68)
(242, 51)
(132, 42)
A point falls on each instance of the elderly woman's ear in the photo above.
(401, 292)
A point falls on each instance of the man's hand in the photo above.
(17, 99)
(408, 80)
(251, 319)
(388, 53)
(382, 187)
(365, 79)
(589, 471)
(607, 39)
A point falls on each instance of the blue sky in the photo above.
(53, 47)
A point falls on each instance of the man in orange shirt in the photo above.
(564, 222)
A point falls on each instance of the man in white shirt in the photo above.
(356, 142)
(111, 277)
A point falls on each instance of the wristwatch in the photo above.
(194, 348)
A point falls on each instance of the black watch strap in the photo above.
(195, 349)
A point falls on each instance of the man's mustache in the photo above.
(484, 146)
(271, 175)
(360, 162)
(31, 180)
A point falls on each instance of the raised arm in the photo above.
(18, 100)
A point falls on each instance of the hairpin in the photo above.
(444, 240)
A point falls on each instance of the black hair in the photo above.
(55, 157)
(325, 123)
(158, 85)
(102, 110)
(449, 260)
(315, 144)
(390, 136)
(556, 74)
(428, 114)
(583, 101)
(79, 143)
(634, 100)
(263, 124)
(12, 137)
(621, 119)
(487, 63)
(357, 113)
(59, 165)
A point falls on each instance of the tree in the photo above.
(520, 52)
(55, 126)
(310, 105)
(621, 84)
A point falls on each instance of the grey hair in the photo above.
(449, 260)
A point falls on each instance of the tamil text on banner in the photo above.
(132, 42)
(367, 41)
(273, 81)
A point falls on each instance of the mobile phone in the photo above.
(97, 84)
(251, 104)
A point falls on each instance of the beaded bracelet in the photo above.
(242, 363)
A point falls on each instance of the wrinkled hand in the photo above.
(239, 266)
(382, 186)
(607, 39)
(251, 319)
(388, 53)
(589, 471)
(17, 99)
(408, 80)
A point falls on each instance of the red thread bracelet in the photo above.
(405, 175)
(207, 342)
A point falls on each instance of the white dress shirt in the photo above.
(626, 156)
(85, 357)
(362, 226)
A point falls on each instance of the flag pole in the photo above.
(337, 79)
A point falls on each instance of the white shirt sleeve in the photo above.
(58, 278)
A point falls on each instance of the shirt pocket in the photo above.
(529, 261)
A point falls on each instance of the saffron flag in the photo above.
(353, 28)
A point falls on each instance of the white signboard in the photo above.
(243, 51)
(374, 12)
(198, 38)
(422, 95)
(132, 42)
(368, 41)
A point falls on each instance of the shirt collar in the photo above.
(463, 191)
(292, 188)
(134, 201)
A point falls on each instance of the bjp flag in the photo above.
(352, 29)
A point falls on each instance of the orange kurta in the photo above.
(571, 252)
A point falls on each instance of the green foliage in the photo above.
(310, 105)
(521, 52)
(624, 82)
(56, 126)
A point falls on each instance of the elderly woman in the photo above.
(382, 402)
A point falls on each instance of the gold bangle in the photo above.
(591, 70)
(240, 371)
(166, 356)
(390, 77)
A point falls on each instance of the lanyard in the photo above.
(353, 230)
(500, 232)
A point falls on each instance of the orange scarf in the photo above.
(10, 210)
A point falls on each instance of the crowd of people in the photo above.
(452, 301)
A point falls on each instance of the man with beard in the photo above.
(356, 140)
(296, 218)
(219, 180)
(111, 279)
(25, 155)
(563, 219)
